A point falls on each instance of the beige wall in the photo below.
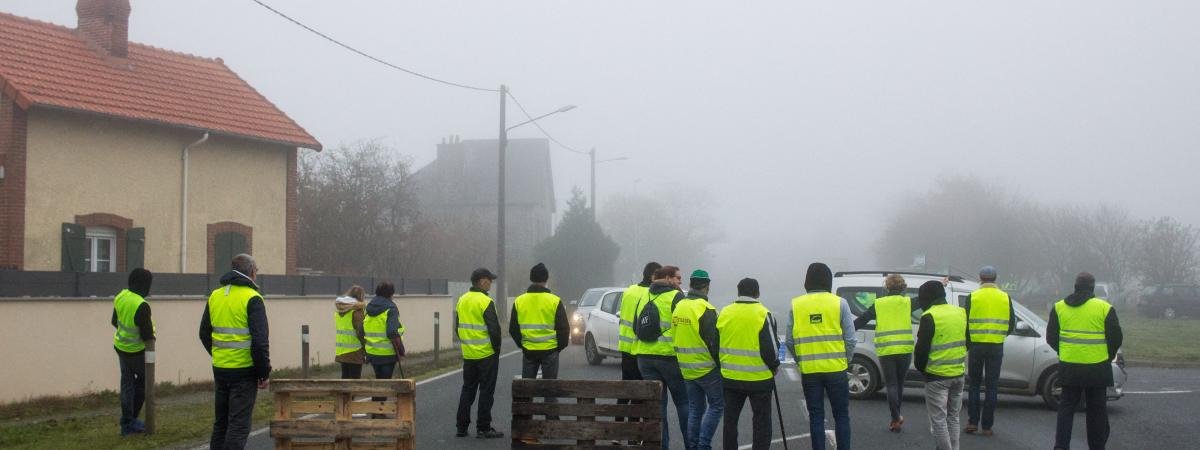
(80, 164)
(73, 353)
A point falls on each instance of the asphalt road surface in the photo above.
(1158, 411)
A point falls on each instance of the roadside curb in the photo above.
(1162, 364)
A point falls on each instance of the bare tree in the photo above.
(1167, 251)
(662, 228)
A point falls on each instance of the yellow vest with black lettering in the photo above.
(665, 344)
(695, 359)
(739, 325)
(629, 304)
(893, 325)
(231, 332)
(1081, 338)
(988, 322)
(375, 331)
(948, 349)
(817, 331)
(346, 339)
(472, 330)
(128, 337)
(535, 316)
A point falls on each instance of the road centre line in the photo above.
(1158, 392)
(790, 438)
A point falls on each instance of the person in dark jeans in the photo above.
(665, 367)
(984, 360)
(479, 374)
(385, 365)
(1084, 381)
(735, 391)
(821, 384)
(894, 366)
(129, 341)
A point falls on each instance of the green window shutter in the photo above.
(74, 248)
(135, 248)
(227, 245)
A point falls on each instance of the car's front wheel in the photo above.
(864, 378)
(1051, 390)
(593, 354)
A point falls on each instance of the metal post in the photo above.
(592, 155)
(304, 350)
(501, 296)
(149, 380)
(437, 335)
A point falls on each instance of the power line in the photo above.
(539, 126)
(368, 56)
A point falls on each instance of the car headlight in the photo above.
(577, 318)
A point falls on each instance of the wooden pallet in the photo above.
(319, 414)
(577, 399)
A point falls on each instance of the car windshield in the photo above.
(591, 297)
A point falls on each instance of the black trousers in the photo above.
(382, 372)
(351, 371)
(133, 385)
(234, 406)
(1097, 415)
(478, 375)
(895, 367)
(760, 407)
(629, 371)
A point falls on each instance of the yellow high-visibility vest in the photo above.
(472, 330)
(231, 332)
(695, 359)
(665, 344)
(346, 339)
(817, 331)
(989, 318)
(738, 326)
(948, 349)
(629, 304)
(535, 313)
(375, 331)
(128, 337)
(1081, 332)
(893, 325)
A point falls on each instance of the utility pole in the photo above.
(501, 295)
(592, 155)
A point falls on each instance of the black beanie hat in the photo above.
(930, 291)
(139, 281)
(819, 277)
(748, 287)
(648, 271)
(539, 273)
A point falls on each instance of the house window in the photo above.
(101, 249)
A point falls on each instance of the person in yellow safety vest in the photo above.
(538, 325)
(233, 329)
(134, 327)
(656, 356)
(350, 338)
(749, 360)
(821, 336)
(625, 335)
(939, 354)
(1086, 333)
(893, 340)
(383, 331)
(989, 320)
(478, 328)
(695, 323)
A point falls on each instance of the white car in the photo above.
(588, 302)
(601, 333)
(1030, 366)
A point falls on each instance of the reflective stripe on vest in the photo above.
(346, 339)
(1081, 332)
(375, 332)
(695, 360)
(817, 331)
(948, 349)
(128, 337)
(893, 325)
(472, 330)
(988, 322)
(738, 327)
(664, 346)
(629, 304)
(230, 335)
(536, 312)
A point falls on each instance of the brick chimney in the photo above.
(105, 23)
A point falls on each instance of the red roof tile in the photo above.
(51, 65)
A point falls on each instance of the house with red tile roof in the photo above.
(116, 155)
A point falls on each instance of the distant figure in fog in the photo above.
(134, 327)
(1085, 332)
(350, 338)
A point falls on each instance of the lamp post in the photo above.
(592, 155)
(501, 293)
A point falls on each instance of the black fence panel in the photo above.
(416, 287)
(15, 284)
(280, 284)
(439, 287)
(103, 284)
(31, 284)
(184, 284)
(367, 283)
(322, 285)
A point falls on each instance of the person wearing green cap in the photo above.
(695, 323)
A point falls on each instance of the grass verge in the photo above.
(184, 413)
(1160, 341)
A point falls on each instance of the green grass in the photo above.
(1158, 340)
(184, 414)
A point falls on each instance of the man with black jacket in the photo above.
(538, 325)
(234, 331)
(742, 326)
(1074, 330)
(939, 354)
(134, 328)
(478, 328)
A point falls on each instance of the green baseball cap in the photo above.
(700, 274)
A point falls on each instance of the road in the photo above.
(1159, 406)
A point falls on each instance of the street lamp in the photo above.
(501, 294)
(592, 155)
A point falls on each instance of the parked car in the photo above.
(1030, 365)
(1170, 301)
(601, 332)
(586, 303)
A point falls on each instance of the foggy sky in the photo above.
(807, 122)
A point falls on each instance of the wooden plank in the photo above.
(586, 419)
(523, 446)
(640, 410)
(372, 407)
(554, 429)
(336, 429)
(313, 445)
(282, 405)
(302, 408)
(405, 406)
(358, 387)
(634, 390)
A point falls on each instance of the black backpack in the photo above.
(647, 326)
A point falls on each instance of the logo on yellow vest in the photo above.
(815, 318)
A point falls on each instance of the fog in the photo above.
(800, 126)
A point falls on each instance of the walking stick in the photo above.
(400, 367)
(779, 409)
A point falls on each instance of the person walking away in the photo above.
(350, 338)
(655, 347)
(695, 323)
(749, 361)
(478, 328)
(383, 332)
(538, 325)
(893, 341)
(938, 354)
(233, 329)
(134, 327)
(989, 321)
(821, 336)
(1085, 332)
(626, 338)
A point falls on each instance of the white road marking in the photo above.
(427, 380)
(791, 374)
(1158, 392)
(790, 438)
